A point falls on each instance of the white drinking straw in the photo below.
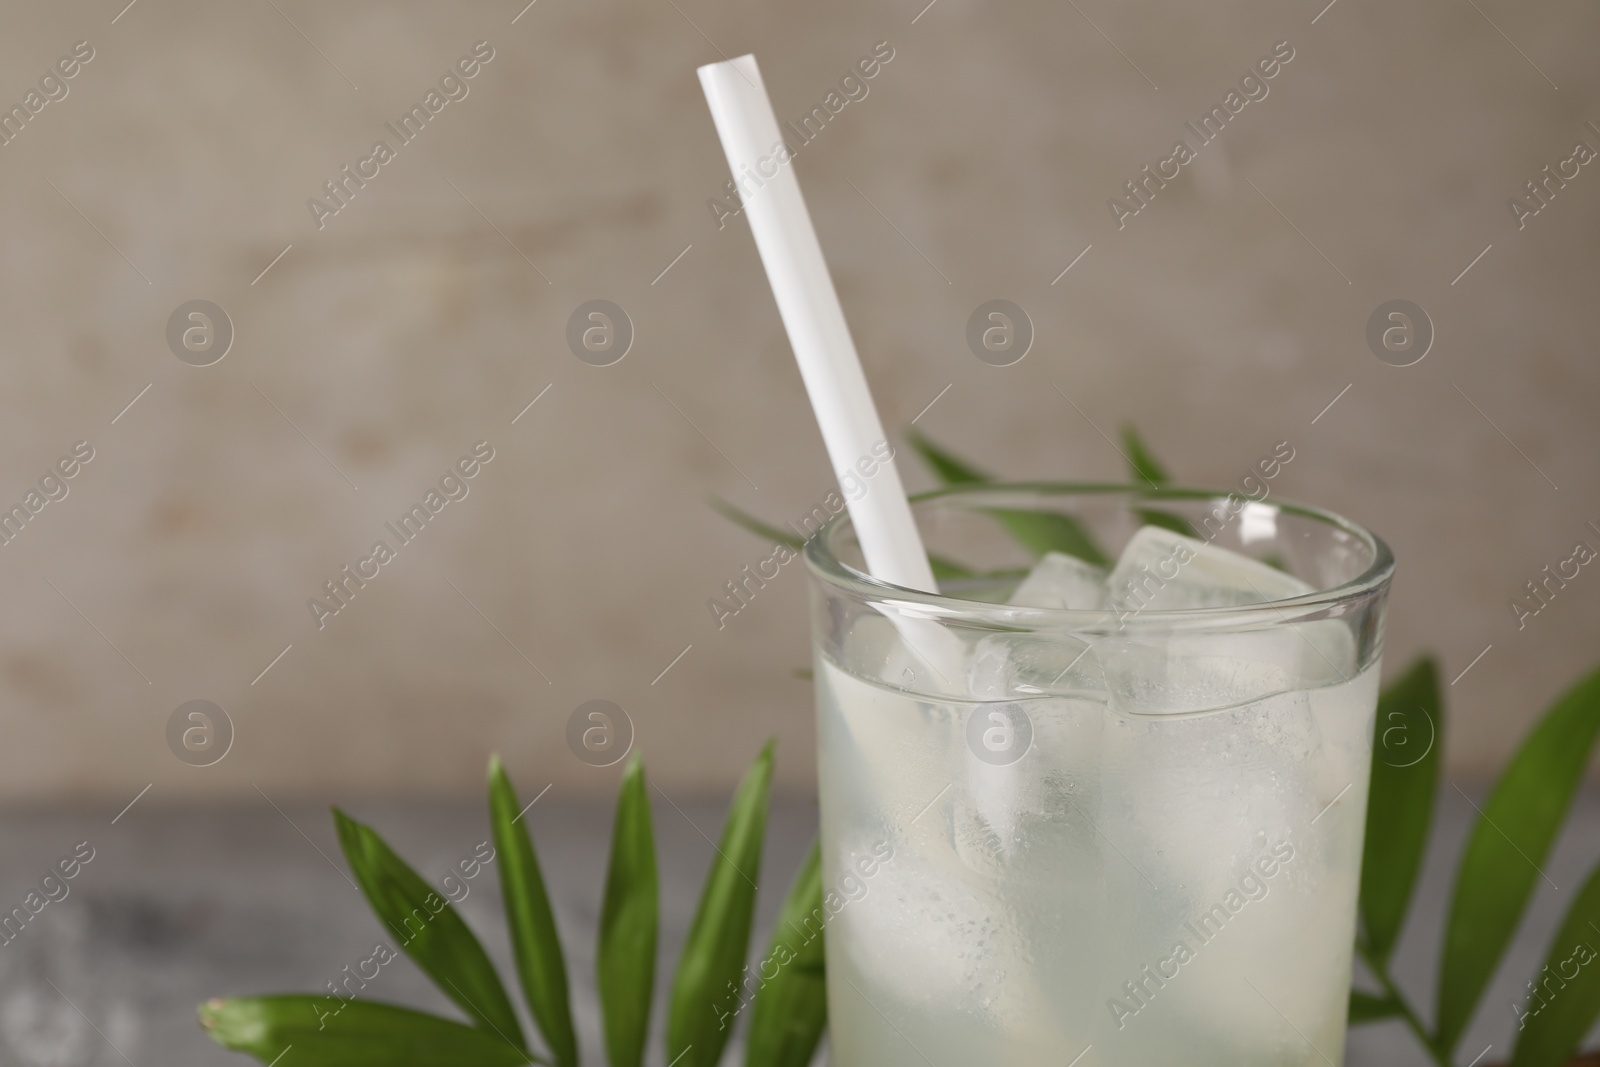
(813, 318)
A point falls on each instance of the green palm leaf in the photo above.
(625, 962)
(428, 930)
(763, 530)
(534, 940)
(791, 1008)
(947, 467)
(1409, 736)
(1567, 987)
(326, 1032)
(708, 989)
(1367, 1008)
(1515, 829)
(1142, 464)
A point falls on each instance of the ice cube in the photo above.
(1306, 905)
(927, 935)
(1206, 671)
(1007, 665)
(1187, 673)
(1163, 571)
(915, 655)
(1187, 799)
(1062, 581)
(1010, 665)
(888, 750)
(1011, 821)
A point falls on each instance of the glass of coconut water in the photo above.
(1100, 800)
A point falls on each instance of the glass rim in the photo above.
(825, 566)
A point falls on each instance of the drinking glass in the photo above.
(1125, 832)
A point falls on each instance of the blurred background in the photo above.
(356, 340)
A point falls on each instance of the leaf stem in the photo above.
(1435, 1053)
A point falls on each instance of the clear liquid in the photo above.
(1154, 889)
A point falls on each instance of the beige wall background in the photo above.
(427, 313)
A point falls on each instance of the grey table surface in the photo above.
(182, 904)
